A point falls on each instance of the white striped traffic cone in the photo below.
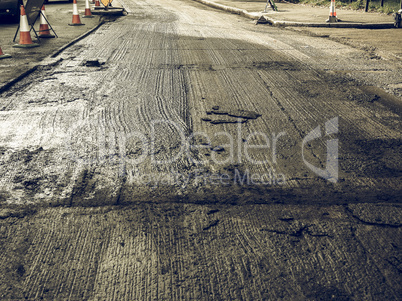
(88, 13)
(97, 4)
(25, 33)
(76, 17)
(44, 27)
(332, 13)
(3, 56)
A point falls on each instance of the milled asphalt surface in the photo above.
(84, 215)
(372, 31)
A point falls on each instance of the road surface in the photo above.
(184, 153)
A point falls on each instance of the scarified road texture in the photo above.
(135, 122)
(175, 251)
(141, 184)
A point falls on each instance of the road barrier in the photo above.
(44, 27)
(76, 17)
(88, 13)
(25, 33)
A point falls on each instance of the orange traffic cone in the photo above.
(2, 55)
(88, 13)
(44, 27)
(76, 16)
(332, 13)
(97, 4)
(25, 34)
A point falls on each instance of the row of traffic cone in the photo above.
(25, 35)
(44, 31)
(76, 16)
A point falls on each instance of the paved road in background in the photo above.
(181, 152)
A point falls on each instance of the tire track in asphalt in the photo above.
(179, 251)
(153, 80)
(166, 252)
(312, 108)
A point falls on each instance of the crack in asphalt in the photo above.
(299, 232)
(365, 222)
